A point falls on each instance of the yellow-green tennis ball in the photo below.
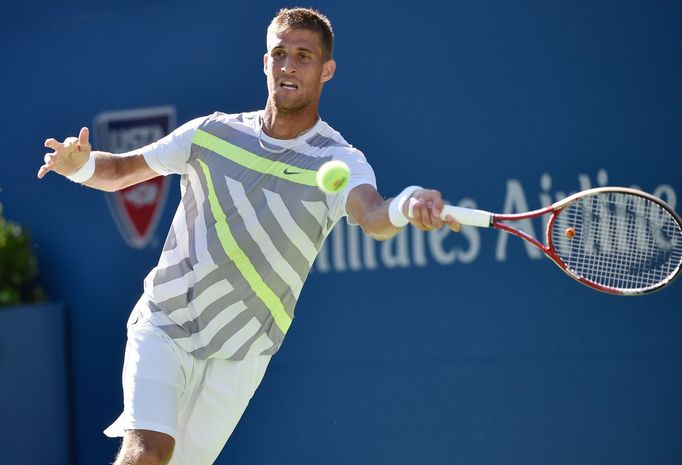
(333, 176)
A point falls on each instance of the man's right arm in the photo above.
(112, 172)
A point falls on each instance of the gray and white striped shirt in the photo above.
(246, 232)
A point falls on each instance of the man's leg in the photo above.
(153, 381)
(144, 447)
(218, 400)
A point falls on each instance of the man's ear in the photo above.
(265, 64)
(328, 70)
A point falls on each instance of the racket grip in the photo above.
(468, 216)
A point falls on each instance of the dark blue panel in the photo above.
(34, 396)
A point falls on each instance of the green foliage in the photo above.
(18, 266)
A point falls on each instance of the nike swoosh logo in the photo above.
(287, 172)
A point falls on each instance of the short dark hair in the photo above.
(306, 18)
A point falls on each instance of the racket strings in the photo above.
(620, 241)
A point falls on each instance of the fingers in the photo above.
(49, 159)
(424, 214)
(48, 162)
(427, 218)
(452, 223)
(68, 142)
(62, 151)
(83, 138)
(53, 144)
(43, 171)
(424, 211)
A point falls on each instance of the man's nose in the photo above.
(288, 65)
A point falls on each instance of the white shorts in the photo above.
(197, 402)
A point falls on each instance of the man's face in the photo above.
(295, 69)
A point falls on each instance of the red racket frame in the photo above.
(549, 250)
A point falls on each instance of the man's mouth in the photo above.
(289, 85)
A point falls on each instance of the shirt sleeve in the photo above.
(169, 154)
(360, 173)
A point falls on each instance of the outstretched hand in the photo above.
(424, 211)
(68, 156)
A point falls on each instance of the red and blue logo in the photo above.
(136, 209)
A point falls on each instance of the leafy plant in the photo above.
(18, 266)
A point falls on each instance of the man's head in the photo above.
(299, 60)
(305, 18)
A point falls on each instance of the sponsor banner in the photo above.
(136, 209)
(348, 250)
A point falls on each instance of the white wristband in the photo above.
(85, 172)
(395, 208)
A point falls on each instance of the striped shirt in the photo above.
(246, 233)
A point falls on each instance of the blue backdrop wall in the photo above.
(427, 349)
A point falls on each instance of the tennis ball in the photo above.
(333, 176)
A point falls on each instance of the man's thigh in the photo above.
(210, 415)
(154, 379)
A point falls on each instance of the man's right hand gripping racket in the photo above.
(612, 239)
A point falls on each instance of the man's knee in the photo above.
(143, 447)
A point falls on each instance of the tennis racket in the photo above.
(612, 239)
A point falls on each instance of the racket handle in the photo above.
(468, 216)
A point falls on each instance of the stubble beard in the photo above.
(292, 107)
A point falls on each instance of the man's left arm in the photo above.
(382, 219)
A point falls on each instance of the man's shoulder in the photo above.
(240, 118)
(336, 144)
(329, 138)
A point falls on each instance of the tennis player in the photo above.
(247, 230)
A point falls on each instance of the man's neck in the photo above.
(287, 125)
